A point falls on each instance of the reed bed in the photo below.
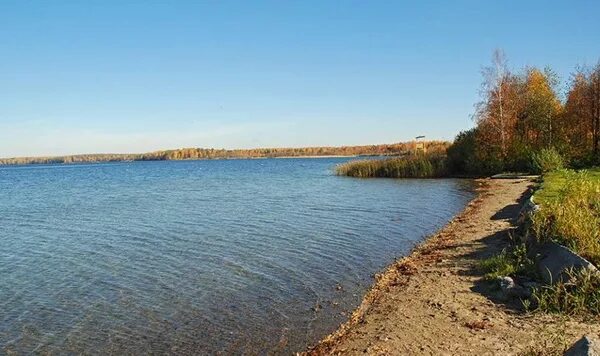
(414, 166)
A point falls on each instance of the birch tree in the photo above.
(496, 109)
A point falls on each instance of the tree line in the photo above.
(395, 149)
(522, 118)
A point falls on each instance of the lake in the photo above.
(185, 257)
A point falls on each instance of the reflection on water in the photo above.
(177, 257)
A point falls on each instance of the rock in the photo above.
(512, 290)
(506, 283)
(586, 346)
(554, 262)
(524, 219)
(529, 208)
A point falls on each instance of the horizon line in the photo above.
(209, 148)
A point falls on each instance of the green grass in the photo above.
(554, 184)
(580, 295)
(417, 166)
(570, 211)
(510, 262)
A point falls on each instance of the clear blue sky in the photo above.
(134, 76)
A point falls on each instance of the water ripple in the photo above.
(206, 256)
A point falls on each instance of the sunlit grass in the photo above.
(554, 184)
(570, 211)
(416, 166)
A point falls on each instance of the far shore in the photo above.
(434, 302)
(391, 149)
(198, 159)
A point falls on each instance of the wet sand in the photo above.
(434, 301)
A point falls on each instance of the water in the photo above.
(198, 256)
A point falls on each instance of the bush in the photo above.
(586, 161)
(462, 157)
(546, 160)
(519, 157)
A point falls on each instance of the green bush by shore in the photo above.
(414, 166)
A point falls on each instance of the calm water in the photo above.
(189, 256)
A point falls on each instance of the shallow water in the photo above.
(199, 256)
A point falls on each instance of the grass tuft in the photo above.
(510, 262)
(577, 295)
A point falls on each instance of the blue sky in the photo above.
(135, 76)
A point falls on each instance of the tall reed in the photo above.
(415, 166)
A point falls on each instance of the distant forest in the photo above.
(395, 149)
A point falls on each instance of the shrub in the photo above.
(546, 160)
(519, 157)
(585, 161)
(462, 157)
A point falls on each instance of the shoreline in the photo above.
(433, 301)
(73, 163)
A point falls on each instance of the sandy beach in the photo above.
(434, 302)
